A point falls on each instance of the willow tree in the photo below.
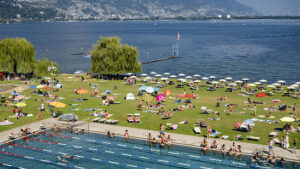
(41, 68)
(109, 56)
(16, 56)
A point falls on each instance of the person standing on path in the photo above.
(208, 131)
(294, 109)
(254, 109)
(271, 146)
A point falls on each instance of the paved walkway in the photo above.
(18, 88)
(247, 148)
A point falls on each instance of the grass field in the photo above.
(151, 120)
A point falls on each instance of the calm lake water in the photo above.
(257, 49)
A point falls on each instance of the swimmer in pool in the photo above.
(61, 159)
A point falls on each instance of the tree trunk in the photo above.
(15, 68)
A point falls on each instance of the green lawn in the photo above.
(151, 120)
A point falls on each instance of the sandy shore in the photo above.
(188, 140)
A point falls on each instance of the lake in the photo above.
(256, 49)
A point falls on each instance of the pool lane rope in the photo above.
(42, 160)
(78, 156)
(173, 153)
(122, 155)
(11, 166)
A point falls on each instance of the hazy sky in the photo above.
(274, 7)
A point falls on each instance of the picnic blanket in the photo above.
(94, 109)
(215, 134)
(74, 109)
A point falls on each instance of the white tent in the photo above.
(129, 96)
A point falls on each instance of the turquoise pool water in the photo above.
(93, 150)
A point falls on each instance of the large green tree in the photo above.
(41, 68)
(109, 56)
(16, 55)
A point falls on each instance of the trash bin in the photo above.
(218, 104)
(115, 87)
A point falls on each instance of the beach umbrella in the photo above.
(251, 85)
(167, 92)
(287, 119)
(147, 97)
(232, 84)
(281, 81)
(149, 90)
(196, 75)
(196, 81)
(271, 86)
(215, 82)
(237, 125)
(167, 73)
(257, 83)
(164, 78)
(152, 73)
(228, 78)
(173, 76)
(291, 87)
(276, 84)
(129, 74)
(245, 79)
(238, 81)
(57, 104)
(144, 74)
(46, 88)
(212, 77)
(181, 74)
(275, 100)
(261, 95)
(157, 75)
(263, 81)
(21, 104)
(204, 78)
(222, 80)
(32, 87)
(15, 93)
(297, 83)
(160, 97)
(47, 78)
(142, 88)
(188, 77)
(182, 80)
(40, 86)
(132, 77)
(82, 91)
(107, 91)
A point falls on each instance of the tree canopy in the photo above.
(41, 68)
(109, 56)
(16, 55)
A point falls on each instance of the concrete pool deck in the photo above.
(188, 140)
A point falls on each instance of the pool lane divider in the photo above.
(11, 166)
(122, 155)
(173, 154)
(78, 156)
(42, 161)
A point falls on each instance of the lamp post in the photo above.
(52, 69)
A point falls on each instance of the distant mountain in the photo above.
(38, 10)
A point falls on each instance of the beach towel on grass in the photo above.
(5, 123)
(224, 137)
(74, 104)
(74, 108)
(183, 122)
(215, 134)
(94, 109)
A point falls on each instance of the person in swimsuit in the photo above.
(169, 141)
(208, 131)
(149, 139)
(271, 144)
(126, 135)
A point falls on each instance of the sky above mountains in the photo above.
(274, 7)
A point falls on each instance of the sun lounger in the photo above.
(96, 119)
(253, 138)
(197, 130)
(202, 124)
(5, 123)
(273, 134)
(130, 118)
(277, 141)
(101, 120)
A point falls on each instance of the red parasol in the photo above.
(237, 125)
(261, 95)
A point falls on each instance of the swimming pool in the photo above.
(94, 150)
